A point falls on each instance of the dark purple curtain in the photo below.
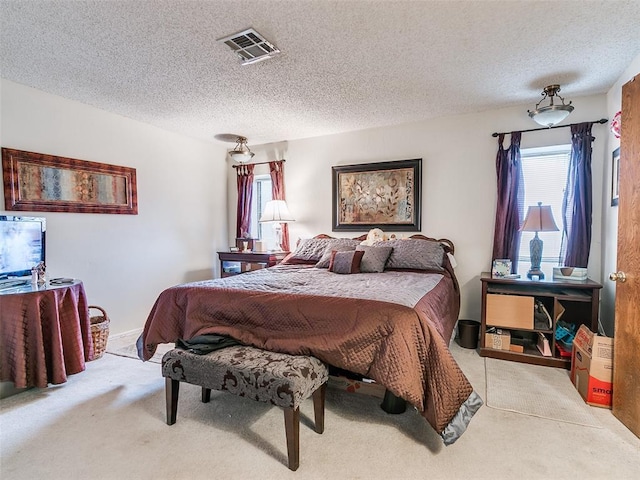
(578, 198)
(510, 207)
(276, 169)
(245, 194)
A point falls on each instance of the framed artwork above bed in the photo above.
(385, 195)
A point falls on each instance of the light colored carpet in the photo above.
(130, 351)
(535, 390)
(109, 423)
(125, 346)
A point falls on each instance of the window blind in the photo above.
(545, 178)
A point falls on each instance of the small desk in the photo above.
(233, 263)
(45, 334)
(575, 302)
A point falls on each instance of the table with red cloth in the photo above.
(45, 334)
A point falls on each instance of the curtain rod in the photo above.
(495, 134)
(257, 163)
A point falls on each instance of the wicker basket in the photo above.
(99, 332)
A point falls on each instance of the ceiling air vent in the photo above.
(250, 46)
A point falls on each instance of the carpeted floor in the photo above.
(534, 390)
(109, 423)
(130, 351)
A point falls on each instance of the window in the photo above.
(261, 195)
(545, 176)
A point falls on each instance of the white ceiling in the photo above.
(345, 65)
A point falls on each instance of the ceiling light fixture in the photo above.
(551, 114)
(241, 152)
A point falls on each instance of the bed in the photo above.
(386, 311)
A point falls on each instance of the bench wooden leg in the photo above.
(292, 429)
(206, 394)
(318, 407)
(172, 388)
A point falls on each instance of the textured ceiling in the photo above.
(345, 65)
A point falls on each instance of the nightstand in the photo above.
(233, 263)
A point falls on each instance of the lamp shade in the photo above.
(539, 219)
(276, 211)
(241, 157)
(550, 116)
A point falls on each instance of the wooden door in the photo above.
(626, 359)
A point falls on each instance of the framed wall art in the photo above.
(46, 183)
(615, 177)
(385, 195)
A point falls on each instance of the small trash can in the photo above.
(468, 331)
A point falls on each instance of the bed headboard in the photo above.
(448, 245)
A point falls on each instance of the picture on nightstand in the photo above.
(501, 268)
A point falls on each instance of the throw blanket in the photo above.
(302, 310)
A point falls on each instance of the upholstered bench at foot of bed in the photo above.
(276, 378)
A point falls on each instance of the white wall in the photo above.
(610, 214)
(458, 183)
(125, 261)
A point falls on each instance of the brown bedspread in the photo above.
(403, 348)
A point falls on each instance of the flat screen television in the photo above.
(22, 245)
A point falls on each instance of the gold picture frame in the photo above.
(382, 195)
(46, 183)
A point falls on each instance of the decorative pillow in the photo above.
(338, 244)
(309, 250)
(374, 259)
(415, 254)
(346, 262)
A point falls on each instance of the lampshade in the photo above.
(539, 219)
(276, 211)
(551, 114)
(241, 152)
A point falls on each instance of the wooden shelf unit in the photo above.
(579, 299)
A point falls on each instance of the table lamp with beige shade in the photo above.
(277, 212)
(539, 219)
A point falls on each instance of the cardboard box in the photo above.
(517, 344)
(498, 340)
(368, 387)
(510, 311)
(592, 367)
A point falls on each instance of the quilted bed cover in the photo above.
(393, 327)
